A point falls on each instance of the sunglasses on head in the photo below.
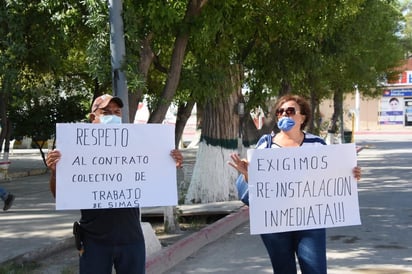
(289, 111)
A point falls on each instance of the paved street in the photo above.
(381, 245)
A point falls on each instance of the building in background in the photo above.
(391, 111)
(190, 132)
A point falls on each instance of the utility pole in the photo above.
(118, 53)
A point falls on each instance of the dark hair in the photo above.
(394, 99)
(303, 104)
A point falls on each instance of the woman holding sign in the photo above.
(293, 114)
(108, 237)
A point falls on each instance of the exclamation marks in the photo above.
(339, 212)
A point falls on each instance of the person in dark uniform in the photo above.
(109, 237)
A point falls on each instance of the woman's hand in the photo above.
(239, 164)
(178, 157)
(52, 158)
(357, 172)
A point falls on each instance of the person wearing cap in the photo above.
(109, 237)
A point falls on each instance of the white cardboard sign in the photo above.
(115, 166)
(302, 188)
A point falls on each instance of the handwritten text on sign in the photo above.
(115, 166)
(302, 188)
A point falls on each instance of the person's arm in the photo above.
(242, 189)
(52, 158)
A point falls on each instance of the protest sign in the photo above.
(302, 188)
(115, 166)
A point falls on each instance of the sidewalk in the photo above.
(31, 227)
(24, 162)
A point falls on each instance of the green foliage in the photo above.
(313, 46)
(98, 43)
(38, 116)
(365, 48)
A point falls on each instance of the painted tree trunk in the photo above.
(213, 179)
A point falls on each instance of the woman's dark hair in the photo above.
(303, 104)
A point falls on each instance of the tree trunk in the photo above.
(171, 224)
(179, 50)
(314, 126)
(337, 110)
(146, 59)
(213, 179)
(5, 126)
(5, 137)
(285, 88)
(183, 114)
(3, 118)
(172, 81)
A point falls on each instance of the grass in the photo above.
(31, 268)
(14, 268)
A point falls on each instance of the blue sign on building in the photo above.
(397, 92)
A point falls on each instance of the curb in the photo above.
(20, 174)
(31, 172)
(43, 252)
(172, 255)
(388, 132)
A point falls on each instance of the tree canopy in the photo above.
(183, 51)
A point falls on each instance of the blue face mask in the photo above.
(286, 123)
(110, 119)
